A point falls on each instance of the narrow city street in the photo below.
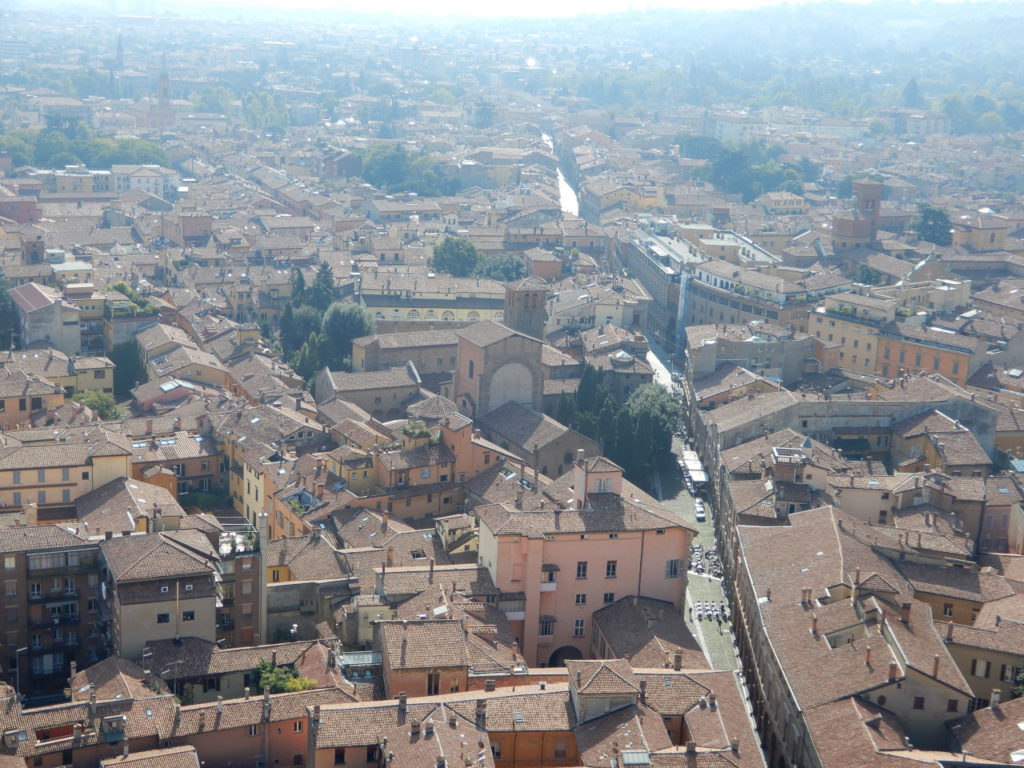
(715, 638)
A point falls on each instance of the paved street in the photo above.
(716, 639)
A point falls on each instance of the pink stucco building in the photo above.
(559, 562)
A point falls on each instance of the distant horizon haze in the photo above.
(523, 9)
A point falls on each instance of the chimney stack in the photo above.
(856, 578)
(677, 661)
(894, 670)
(935, 665)
(691, 747)
(643, 691)
(401, 702)
(711, 700)
(905, 613)
(220, 705)
(430, 576)
(867, 655)
(997, 695)
(481, 713)
(768, 595)
(949, 632)
(814, 624)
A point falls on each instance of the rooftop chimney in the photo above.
(481, 713)
(905, 613)
(220, 705)
(894, 670)
(949, 632)
(643, 691)
(711, 700)
(814, 624)
(677, 661)
(856, 578)
(935, 665)
(867, 655)
(430, 576)
(401, 702)
(997, 694)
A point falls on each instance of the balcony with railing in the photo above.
(55, 620)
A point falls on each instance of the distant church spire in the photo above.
(119, 61)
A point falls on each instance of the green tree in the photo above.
(48, 146)
(990, 122)
(868, 275)
(130, 368)
(565, 411)
(591, 392)
(933, 225)
(911, 96)
(8, 317)
(501, 266)
(296, 326)
(308, 361)
(657, 403)
(281, 679)
(625, 442)
(298, 282)
(343, 322)
(217, 100)
(455, 255)
(386, 165)
(321, 292)
(102, 402)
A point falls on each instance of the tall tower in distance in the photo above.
(119, 59)
(526, 306)
(869, 201)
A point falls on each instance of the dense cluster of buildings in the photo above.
(412, 561)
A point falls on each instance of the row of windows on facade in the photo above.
(673, 569)
(65, 476)
(37, 404)
(51, 561)
(952, 705)
(447, 315)
(165, 618)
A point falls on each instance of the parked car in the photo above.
(698, 507)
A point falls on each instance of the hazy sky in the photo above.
(500, 8)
